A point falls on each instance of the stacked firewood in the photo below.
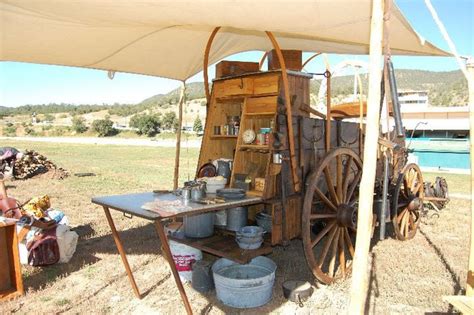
(33, 163)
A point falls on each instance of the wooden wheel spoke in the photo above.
(342, 258)
(315, 216)
(416, 190)
(406, 191)
(328, 243)
(401, 214)
(411, 177)
(353, 186)
(407, 217)
(339, 178)
(349, 242)
(330, 185)
(411, 221)
(345, 183)
(402, 223)
(413, 183)
(332, 262)
(325, 199)
(322, 233)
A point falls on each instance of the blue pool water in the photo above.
(441, 153)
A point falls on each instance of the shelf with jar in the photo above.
(228, 130)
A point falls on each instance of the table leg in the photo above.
(118, 242)
(169, 258)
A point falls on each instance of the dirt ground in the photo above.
(407, 277)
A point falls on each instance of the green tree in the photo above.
(146, 124)
(170, 121)
(197, 126)
(49, 117)
(79, 124)
(104, 127)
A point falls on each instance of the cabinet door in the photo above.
(233, 87)
(262, 105)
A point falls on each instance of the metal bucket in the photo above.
(199, 226)
(220, 219)
(236, 218)
(202, 276)
(244, 286)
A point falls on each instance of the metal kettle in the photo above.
(198, 190)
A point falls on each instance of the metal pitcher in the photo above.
(198, 191)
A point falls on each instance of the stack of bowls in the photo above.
(214, 183)
(250, 237)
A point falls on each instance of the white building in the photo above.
(411, 98)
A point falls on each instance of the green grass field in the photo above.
(122, 168)
(118, 168)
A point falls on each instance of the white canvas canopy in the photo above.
(168, 38)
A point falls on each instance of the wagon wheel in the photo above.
(330, 203)
(407, 202)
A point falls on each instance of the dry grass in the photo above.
(407, 277)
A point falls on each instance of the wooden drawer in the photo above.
(233, 87)
(261, 105)
(267, 84)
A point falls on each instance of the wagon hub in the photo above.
(414, 204)
(347, 216)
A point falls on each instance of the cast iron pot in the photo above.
(297, 291)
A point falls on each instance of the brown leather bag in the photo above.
(43, 250)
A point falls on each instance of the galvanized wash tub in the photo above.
(244, 286)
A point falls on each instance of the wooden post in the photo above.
(470, 270)
(360, 274)
(182, 99)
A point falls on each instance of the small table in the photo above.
(132, 204)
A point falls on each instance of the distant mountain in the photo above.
(194, 90)
(444, 89)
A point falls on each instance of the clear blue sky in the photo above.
(22, 83)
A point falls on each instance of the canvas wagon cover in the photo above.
(168, 38)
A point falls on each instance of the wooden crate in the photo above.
(11, 283)
(232, 68)
(293, 60)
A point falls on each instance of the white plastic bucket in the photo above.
(184, 256)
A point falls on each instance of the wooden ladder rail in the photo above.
(289, 115)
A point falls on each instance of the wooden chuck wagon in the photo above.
(311, 167)
(303, 169)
